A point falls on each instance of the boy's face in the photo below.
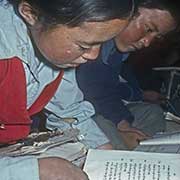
(70, 47)
(144, 28)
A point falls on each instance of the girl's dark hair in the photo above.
(75, 12)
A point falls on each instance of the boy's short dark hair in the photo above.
(172, 6)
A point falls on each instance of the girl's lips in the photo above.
(71, 65)
(137, 47)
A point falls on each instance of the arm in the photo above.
(58, 168)
(131, 136)
(68, 102)
(100, 84)
(101, 87)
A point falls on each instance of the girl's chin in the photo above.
(67, 65)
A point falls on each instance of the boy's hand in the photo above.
(131, 136)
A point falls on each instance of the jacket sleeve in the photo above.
(68, 101)
(101, 87)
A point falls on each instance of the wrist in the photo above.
(122, 125)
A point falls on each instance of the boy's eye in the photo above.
(160, 37)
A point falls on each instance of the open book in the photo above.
(162, 142)
(164, 138)
(131, 165)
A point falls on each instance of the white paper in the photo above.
(131, 165)
(173, 138)
(171, 117)
(174, 148)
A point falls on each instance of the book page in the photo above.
(131, 165)
(162, 144)
(174, 148)
(170, 138)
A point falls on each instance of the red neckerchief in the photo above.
(15, 119)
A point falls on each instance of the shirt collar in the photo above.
(14, 38)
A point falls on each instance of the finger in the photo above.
(135, 131)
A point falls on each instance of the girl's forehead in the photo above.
(101, 30)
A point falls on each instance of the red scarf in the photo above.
(15, 119)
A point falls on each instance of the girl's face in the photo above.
(69, 47)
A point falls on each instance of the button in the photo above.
(2, 126)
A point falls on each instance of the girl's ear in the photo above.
(26, 11)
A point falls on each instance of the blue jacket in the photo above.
(107, 81)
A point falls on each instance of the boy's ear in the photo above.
(26, 11)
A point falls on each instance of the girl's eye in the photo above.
(82, 48)
(148, 29)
